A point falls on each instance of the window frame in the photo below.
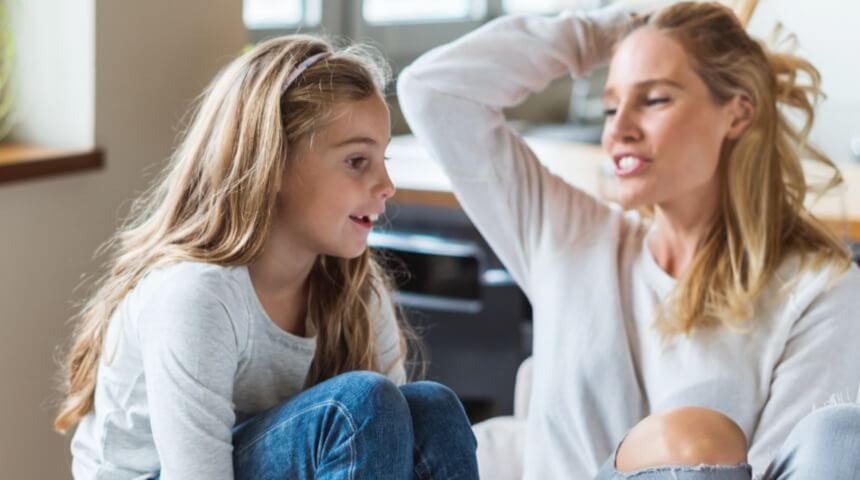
(402, 42)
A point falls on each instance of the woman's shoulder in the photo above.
(828, 286)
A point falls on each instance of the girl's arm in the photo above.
(190, 355)
(820, 362)
(453, 98)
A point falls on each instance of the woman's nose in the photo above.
(624, 127)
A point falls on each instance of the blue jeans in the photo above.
(359, 425)
(824, 445)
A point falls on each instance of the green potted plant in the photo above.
(7, 60)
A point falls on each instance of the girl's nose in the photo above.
(385, 187)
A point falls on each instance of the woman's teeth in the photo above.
(628, 164)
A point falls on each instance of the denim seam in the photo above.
(343, 410)
(423, 463)
(681, 468)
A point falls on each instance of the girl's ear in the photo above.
(742, 110)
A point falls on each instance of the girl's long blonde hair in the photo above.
(762, 220)
(216, 200)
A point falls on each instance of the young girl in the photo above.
(244, 329)
(718, 321)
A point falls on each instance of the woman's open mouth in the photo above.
(628, 164)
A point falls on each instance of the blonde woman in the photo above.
(244, 329)
(719, 318)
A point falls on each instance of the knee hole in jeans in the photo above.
(682, 436)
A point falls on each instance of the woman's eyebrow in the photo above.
(645, 84)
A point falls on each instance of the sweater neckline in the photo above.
(662, 282)
(306, 343)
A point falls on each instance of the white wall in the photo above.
(143, 62)
(828, 36)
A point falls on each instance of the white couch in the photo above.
(501, 440)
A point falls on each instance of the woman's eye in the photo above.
(609, 111)
(656, 101)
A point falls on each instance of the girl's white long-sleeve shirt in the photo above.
(599, 365)
(189, 353)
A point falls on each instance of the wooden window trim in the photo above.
(23, 162)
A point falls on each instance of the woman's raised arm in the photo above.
(453, 98)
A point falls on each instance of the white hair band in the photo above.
(301, 68)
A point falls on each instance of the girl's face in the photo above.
(663, 129)
(338, 184)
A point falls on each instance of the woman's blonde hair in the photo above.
(762, 220)
(216, 200)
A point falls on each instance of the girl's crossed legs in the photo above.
(700, 444)
(359, 425)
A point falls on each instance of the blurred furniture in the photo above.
(743, 9)
(421, 181)
(472, 318)
(501, 440)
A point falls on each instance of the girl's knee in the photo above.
(437, 407)
(370, 389)
(430, 394)
(683, 436)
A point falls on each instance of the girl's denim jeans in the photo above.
(359, 425)
(824, 445)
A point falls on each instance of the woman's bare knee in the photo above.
(683, 436)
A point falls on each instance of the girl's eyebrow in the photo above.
(360, 140)
(644, 84)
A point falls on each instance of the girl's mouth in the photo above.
(364, 221)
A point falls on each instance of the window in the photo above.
(261, 14)
(395, 11)
(550, 6)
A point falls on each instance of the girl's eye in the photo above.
(609, 112)
(356, 162)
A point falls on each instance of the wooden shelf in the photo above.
(22, 162)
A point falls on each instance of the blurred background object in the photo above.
(7, 63)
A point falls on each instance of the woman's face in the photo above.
(337, 186)
(663, 129)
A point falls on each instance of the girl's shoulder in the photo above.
(194, 287)
(194, 278)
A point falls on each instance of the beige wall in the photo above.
(143, 62)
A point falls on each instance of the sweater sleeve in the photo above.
(190, 355)
(819, 363)
(453, 96)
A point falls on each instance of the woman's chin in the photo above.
(632, 200)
